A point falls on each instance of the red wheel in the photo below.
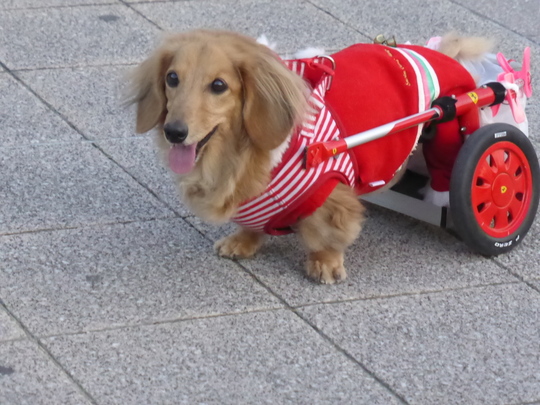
(501, 188)
(494, 189)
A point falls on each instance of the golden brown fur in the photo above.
(263, 103)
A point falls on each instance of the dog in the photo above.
(227, 109)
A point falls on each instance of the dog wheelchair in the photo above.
(495, 179)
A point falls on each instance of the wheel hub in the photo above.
(501, 189)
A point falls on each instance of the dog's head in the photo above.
(203, 85)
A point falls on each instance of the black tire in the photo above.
(496, 179)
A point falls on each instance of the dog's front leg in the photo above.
(328, 232)
(243, 243)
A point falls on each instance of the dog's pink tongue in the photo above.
(182, 158)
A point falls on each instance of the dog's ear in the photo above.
(275, 99)
(149, 90)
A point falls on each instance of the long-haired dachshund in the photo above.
(229, 115)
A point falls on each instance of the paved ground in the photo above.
(110, 292)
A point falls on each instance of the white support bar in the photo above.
(410, 206)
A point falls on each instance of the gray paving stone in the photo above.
(418, 20)
(15, 4)
(28, 377)
(269, 357)
(520, 16)
(9, 330)
(292, 25)
(25, 119)
(108, 276)
(535, 283)
(140, 158)
(533, 116)
(474, 346)
(91, 98)
(393, 255)
(67, 36)
(525, 259)
(65, 185)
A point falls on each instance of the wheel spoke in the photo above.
(520, 183)
(487, 214)
(515, 207)
(485, 172)
(513, 164)
(501, 218)
(481, 194)
(498, 156)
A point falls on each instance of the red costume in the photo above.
(372, 85)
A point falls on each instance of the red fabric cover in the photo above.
(374, 85)
(303, 208)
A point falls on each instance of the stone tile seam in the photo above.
(30, 336)
(516, 275)
(112, 3)
(485, 17)
(482, 16)
(321, 9)
(73, 142)
(140, 182)
(85, 137)
(26, 145)
(353, 359)
(119, 3)
(88, 226)
(43, 101)
(534, 402)
(74, 66)
(130, 6)
(358, 362)
(383, 297)
(162, 1)
(286, 53)
(410, 294)
(323, 336)
(77, 141)
(162, 322)
(282, 53)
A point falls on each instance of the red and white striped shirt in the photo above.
(290, 180)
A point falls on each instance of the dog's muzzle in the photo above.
(176, 131)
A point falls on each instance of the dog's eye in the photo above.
(218, 86)
(172, 79)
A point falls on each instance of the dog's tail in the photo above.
(464, 48)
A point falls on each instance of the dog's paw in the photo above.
(242, 244)
(326, 267)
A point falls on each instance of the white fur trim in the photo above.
(309, 53)
(263, 40)
(276, 155)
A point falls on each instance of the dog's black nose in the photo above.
(176, 131)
